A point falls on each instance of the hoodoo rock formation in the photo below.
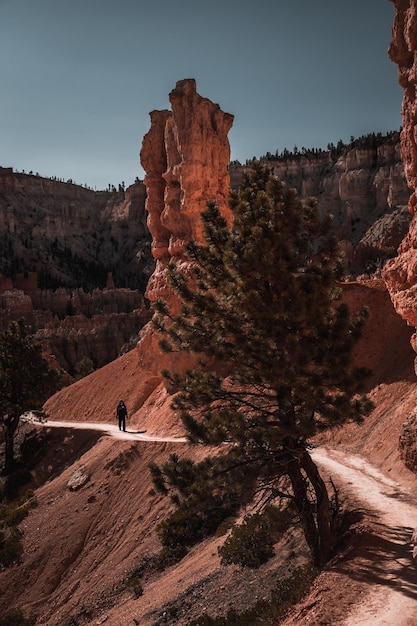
(185, 156)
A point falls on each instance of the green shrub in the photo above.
(188, 525)
(34, 446)
(11, 547)
(134, 578)
(84, 368)
(225, 525)
(250, 544)
(12, 514)
(135, 585)
(147, 565)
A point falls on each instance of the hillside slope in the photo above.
(80, 546)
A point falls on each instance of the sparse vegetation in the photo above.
(12, 512)
(11, 548)
(263, 305)
(286, 594)
(370, 141)
(83, 368)
(206, 497)
(26, 381)
(251, 543)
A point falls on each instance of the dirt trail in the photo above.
(108, 429)
(388, 571)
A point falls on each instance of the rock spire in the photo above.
(185, 155)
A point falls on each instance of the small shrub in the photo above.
(147, 565)
(135, 586)
(11, 547)
(34, 446)
(134, 578)
(291, 590)
(12, 514)
(224, 526)
(250, 544)
(84, 368)
(188, 525)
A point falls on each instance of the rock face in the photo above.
(185, 156)
(361, 184)
(73, 236)
(72, 323)
(400, 274)
(408, 442)
(63, 249)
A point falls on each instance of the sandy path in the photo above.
(108, 429)
(391, 573)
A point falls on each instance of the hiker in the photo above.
(121, 414)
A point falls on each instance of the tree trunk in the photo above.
(10, 424)
(304, 507)
(326, 538)
(314, 510)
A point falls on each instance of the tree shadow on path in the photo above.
(380, 555)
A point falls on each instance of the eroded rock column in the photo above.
(185, 156)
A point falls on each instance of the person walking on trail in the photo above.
(121, 414)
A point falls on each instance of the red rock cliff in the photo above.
(400, 274)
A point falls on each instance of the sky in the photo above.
(79, 78)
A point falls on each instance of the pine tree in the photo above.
(261, 311)
(26, 381)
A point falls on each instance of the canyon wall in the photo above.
(68, 256)
(400, 274)
(362, 185)
(73, 236)
(73, 324)
(59, 241)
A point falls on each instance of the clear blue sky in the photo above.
(79, 77)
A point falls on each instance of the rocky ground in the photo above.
(82, 545)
